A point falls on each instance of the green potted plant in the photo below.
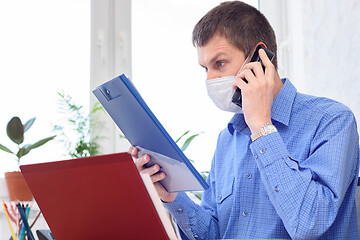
(75, 131)
(18, 189)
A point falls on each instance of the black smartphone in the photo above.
(237, 98)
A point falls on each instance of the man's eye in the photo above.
(220, 63)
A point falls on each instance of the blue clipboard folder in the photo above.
(131, 114)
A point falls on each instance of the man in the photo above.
(286, 166)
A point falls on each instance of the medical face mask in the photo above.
(220, 91)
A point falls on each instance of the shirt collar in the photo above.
(280, 110)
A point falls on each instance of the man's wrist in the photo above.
(169, 198)
(255, 126)
(266, 129)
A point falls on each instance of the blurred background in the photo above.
(71, 47)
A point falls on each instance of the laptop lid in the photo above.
(101, 197)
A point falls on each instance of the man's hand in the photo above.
(154, 173)
(258, 93)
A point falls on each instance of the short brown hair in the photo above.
(242, 25)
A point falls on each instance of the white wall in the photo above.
(331, 50)
(318, 47)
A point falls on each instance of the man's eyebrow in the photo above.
(215, 58)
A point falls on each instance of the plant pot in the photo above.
(17, 187)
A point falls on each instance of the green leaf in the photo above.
(182, 136)
(2, 147)
(188, 141)
(97, 106)
(58, 128)
(80, 124)
(198, 195)
(15, 130)
(28, 124)
(122, 136)
(42, 142)
(204, 174)
(23, 150)
(61, 94)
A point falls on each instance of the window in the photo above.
(45, 48)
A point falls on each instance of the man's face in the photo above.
(220, 58)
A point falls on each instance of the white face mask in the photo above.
(220, 91)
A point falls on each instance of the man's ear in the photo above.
(260, 43)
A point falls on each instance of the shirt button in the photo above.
(255, 156)
(277, 189)
(220, 197)
(196, 236)
(248, 175)
(244, 213)
(262, 151)
(179, 210)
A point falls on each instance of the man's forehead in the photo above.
(218, 39)
(216, 46)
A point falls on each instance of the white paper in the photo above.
(178, 175)
(163, 215)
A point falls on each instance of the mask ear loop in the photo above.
(243, 64)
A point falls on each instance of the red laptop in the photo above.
(101, 197)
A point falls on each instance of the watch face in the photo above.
(269, 128)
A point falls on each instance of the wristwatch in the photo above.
(264, 130)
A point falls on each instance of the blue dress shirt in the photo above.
(297, 183)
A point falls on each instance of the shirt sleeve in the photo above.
(308, 193)
(196, 222)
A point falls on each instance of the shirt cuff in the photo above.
(179, 209)
(267, 149)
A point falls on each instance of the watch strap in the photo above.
(264, 130)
